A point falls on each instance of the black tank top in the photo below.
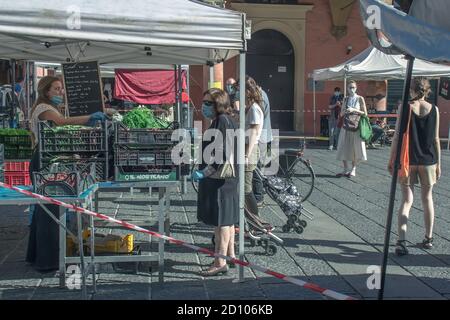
(422, 135)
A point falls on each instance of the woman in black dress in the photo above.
(218, 199)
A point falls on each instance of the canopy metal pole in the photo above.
(176, 116)
(211, 76)
(13, 93)
(180, 94)
(345, 85)
(314, 106)
(241, 160)
(403, 125)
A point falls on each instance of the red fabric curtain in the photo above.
(147, 86)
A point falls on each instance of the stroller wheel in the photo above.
(286, 228)
(292, 219)
(271, 250)
(303, 223)
(298, 229)
(252, 243)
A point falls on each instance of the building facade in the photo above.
(290, 39)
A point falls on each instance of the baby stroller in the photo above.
(287, 197)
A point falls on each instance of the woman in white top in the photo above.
(351, 148)
(43, 244)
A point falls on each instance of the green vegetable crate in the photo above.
(143, 137)
(73, 138)
(17, 144)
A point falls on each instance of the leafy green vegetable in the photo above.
(143, 118)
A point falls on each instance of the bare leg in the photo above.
(345, 166)
(222, 245)
(231, 252)
(428, 208)
(405, 207)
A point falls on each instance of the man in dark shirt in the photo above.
(335, 109)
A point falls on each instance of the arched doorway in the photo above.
(270, 61)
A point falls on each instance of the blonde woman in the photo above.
(351, 148)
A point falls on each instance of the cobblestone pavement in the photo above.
(344, 239)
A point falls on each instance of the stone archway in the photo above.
(270, 61)
(290, 20)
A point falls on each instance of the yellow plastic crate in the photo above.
(103, 243)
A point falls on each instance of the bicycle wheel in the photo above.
(194, 183)
(302, 176)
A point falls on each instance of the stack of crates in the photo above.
(145, 155)
(76, 146)
(17, 173)
(16, 143)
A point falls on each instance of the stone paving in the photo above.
(344, 239)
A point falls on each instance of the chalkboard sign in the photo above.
(83, 88)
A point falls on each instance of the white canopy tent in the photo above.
(373, 64)
(176, 32)
(141, 31)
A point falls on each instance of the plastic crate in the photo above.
(17, 178)
(143, 137)
(63, 183)
(18, 153)
(17, 166)
(101, 167)
(60, 140)
(16, 140)
(126, 157)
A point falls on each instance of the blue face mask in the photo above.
(231, 89)
(208, 110)
(57, 100)
(337, 93)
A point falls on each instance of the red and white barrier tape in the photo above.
(307, 285)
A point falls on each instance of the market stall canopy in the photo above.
(138, 31)
(424, 33)
(372, 64)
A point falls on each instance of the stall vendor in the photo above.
(43, 244)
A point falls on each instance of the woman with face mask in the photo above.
(43, 244)
(351, 148)
(218, 199)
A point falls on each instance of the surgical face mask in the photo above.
(352, 90)
(337, 93)
(231, 89)
(208, 109)
(57, 100)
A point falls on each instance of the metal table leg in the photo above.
(161, 216)
(94, 282)
(82, 265)
(62, 247)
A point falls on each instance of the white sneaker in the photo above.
(330, 148)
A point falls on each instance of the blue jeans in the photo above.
(378, 132)
(333, 132)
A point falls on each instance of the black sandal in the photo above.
(427, 243)
(401, 249)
